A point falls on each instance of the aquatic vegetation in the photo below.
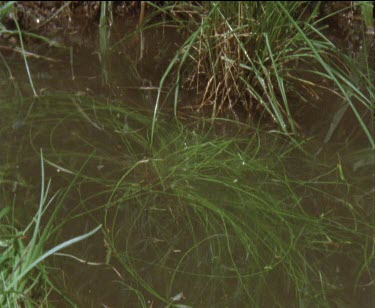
(265, 58)
(24, 279)
(196, 211)
(224, 222)
(221, 217)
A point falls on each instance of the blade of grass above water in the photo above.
(331, 73)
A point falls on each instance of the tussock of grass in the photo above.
(246, 55)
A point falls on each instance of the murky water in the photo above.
(78, 116)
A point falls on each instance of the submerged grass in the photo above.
(224, 220)
(225, 223)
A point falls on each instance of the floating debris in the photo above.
(178, 297)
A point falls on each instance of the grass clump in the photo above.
(24, 278)
(226, 221)
(265, 58)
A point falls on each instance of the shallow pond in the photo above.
(196, 214)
